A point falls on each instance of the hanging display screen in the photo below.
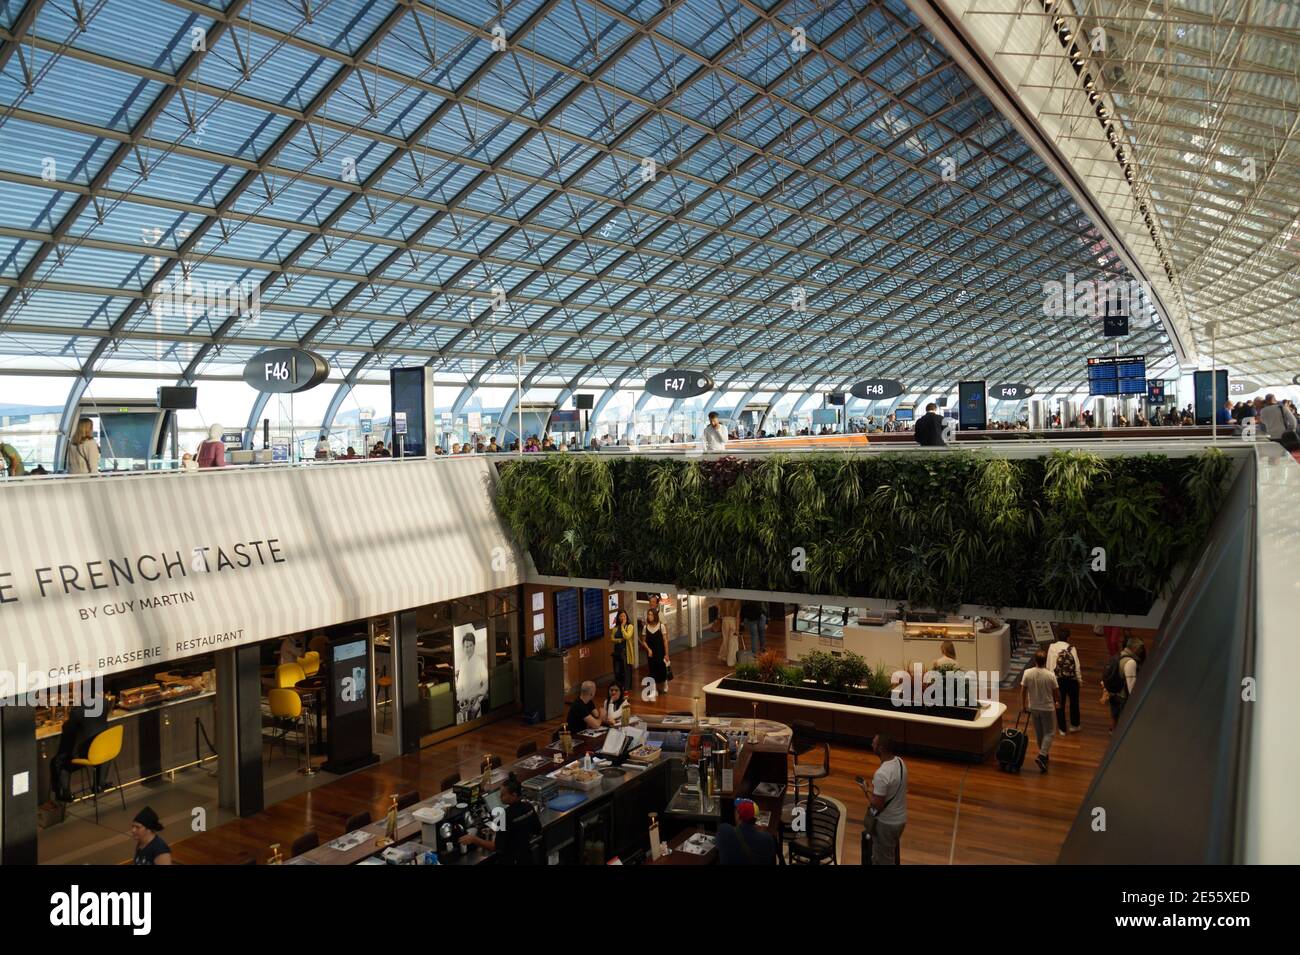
(1117, 376)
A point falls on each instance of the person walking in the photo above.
(1041, 696)
(83, 452)
(887, 815)
(729, 611)
(655, 643)
(754, 614)
(1063, 662)
(1120, 676)
(621, 636)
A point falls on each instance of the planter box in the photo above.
(821, 695)
(964, 733)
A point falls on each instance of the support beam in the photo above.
(68, 420)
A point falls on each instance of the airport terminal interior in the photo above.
(649, 432)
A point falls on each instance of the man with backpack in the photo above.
(1120, 676)
(1063, 661)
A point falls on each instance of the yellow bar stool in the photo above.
(289, 674)
(285, 705)
(104, 749)
(310, 663)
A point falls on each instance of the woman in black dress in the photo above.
(656, 649)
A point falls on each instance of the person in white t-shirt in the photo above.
(1041, 696)
(888, 802)
(715, 435)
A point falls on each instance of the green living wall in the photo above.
(935, 530)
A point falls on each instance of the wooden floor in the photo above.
(957, 813)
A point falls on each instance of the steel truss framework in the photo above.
(1207, 97)
(791, 195)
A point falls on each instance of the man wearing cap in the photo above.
(149, 846)
(744, 843)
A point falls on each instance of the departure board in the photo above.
(593, 613)
(566, 618)
(1126, 375)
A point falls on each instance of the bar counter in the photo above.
(158, 738)
(614, 814)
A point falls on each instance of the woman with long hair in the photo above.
(621, 637)
(656, 648)
(83, 452)
(614, 703)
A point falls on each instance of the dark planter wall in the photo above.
(935, 530)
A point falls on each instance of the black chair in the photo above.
(494, 761)
(816, 844)
(526, 749)
(359, 821)
(408, 799)
(304, 843)
(448, 782)
(801, 744)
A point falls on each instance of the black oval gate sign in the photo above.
(1010, 392)
(285, 370)
(877, 389)
(679, 383)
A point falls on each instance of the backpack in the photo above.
(1065, 669)
(1113, 676)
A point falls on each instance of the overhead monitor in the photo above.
(903, 413)
(1125, 375)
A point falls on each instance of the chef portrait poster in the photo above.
(470, 645)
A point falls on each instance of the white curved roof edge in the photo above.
(1017, 64)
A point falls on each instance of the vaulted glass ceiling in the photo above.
(789, 194)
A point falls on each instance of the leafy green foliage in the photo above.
(933, 530)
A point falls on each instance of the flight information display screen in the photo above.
(1125, 375)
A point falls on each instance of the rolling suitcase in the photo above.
(1013, 745)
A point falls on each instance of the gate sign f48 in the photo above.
(1010, 392)
(877, 389)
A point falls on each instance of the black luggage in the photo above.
(1012, 746)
